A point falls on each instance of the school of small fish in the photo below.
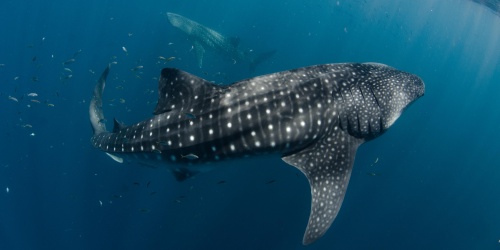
(68, 71)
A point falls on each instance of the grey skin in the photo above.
(315, 118)
(205, 38)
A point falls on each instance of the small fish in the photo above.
(130, 34)
(170, 44)
(152, 193)
(7, 190)
(375, 162)
(13, 98)
(114, 62)
(35, 101)
(100, 203)
(372, 174)
(33, 59)
(221, 182)
(26, 125)
(67, 77)
(32, 94)
(16, 78)
(32, 134)
(271, 181)
(70, 61)
(50, 105)
(68, 69)
(122, 100)
(136, 183)
(190, 156)
(166, 59)
(147, 184)
(137, 68)
(76, 53)
(125, 50)
(35, 79)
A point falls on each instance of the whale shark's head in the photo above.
(182, 23)
(395, 90)
(370, 97)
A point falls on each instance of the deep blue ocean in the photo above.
(431, 182)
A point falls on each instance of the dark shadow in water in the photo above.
(493, 5)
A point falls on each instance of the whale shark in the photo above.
(204, 37)
(314, 118)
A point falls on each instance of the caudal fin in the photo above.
(95, 109)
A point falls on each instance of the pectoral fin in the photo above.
(200, 51)
(116, 158)
(327, 165)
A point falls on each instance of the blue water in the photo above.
(436, 184)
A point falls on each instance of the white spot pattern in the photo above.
(329, 109)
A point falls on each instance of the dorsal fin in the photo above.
(117, 126)
(181, 91)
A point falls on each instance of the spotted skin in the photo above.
(315, 117)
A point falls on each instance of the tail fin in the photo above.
(261, 58)
(95, 108)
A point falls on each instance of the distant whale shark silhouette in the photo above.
(314, 117)
(204, 37)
